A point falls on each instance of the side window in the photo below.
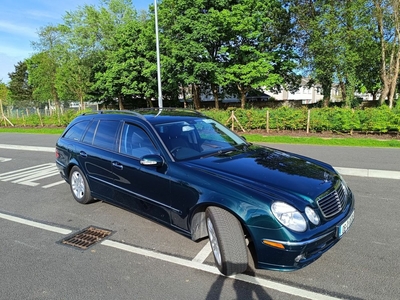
(135, 141)
(105, 136)
(88, 138)
(76, 131)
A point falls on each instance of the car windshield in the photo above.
(197, 138)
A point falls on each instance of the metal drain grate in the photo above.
(86, 238)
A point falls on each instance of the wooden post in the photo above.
(267, 121)
(233, 121)
(3, 117)
(233, 118)
(40, 117)
(351, 130)
(308, 120)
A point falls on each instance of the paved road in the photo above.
(143, 260)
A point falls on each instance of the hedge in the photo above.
(334, 119)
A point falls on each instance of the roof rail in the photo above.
(110, 111)
(169, 109)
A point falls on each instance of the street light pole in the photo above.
(160, 100)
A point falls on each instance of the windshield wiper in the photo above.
(219, 152)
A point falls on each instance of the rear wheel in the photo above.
(79, 186)
(227, 241)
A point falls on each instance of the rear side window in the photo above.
(76, 131)
(88, 138)
(105, 136)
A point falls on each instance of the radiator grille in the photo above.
(334, 202)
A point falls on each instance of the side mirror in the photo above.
(152, 160)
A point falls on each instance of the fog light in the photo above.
(312, 215)
(299, 257)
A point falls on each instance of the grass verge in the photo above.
(352, 142)
(33, 130)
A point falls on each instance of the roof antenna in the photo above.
(160, 100)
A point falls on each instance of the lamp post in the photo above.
(160, 100)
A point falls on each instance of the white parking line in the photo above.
(28, 148)
(35, 224)
(203, 254)
(28, 176)
(283, 288)
(53, 184)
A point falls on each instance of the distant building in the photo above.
(305, 94)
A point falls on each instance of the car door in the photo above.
(95, 154)
(145, 189)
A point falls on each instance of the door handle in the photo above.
(83, 154)
(117, 165)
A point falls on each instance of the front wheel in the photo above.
(227, 241)
(79, 186)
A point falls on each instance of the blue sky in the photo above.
(20, 21)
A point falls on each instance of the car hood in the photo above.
(264, 168)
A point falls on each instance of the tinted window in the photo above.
(88, 138)
(136, 142)
(105, 134)
(76, 131)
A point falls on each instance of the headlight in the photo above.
(312, 215)
(289, 216)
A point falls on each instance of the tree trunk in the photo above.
(242, 92)
(326, 90)
(184, 96)
(343, 90)
(392, 91)
(149, 102)
(120, 104)
(196, 96)
(389, 74)
(214, 89)
(82, 102)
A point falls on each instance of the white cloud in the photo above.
(12, 28)
(14, 51)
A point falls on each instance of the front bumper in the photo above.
(298, 254)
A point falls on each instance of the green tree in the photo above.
(90, 32)
(329, 34)
(122, 73)
(73, 78)
(43, 66)
(242, 43)
(19, 88)
(259, 54)
(195, 33)
(3, 90)
(386, 13)
(3, 97)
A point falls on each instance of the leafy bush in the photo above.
(338, 119)
(380, 120)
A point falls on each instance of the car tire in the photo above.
(79, 186)
(227, 241)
